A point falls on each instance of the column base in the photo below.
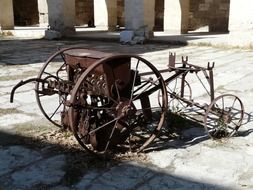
(177, 32)
(108, 28)
(54, 34)
(6, 27)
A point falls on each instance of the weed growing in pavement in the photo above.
(6, 33)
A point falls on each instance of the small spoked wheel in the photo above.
(223, 116)
(52, 93)
(177, 90)
(112, 105)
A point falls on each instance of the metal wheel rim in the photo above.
(210, 107)
(90, 68)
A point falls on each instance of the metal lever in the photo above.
(21, 83)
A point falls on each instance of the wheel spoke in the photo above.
(223, 103)
(145, 84)
(227, 122)
(102, 126)
(123, 110)
(134, 79)
(63, 57)
(234, 103)
(176, 104)
(144, 91)
(110, 137)
(116, 86)
(55, 69)
(236, 124)
(56, 110)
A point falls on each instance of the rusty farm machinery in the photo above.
(118, 100)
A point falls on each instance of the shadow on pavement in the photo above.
(182, 131)
(248, 118)
(27, 163)
(28, 51)
(159, 37)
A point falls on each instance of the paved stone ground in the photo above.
(36, 155)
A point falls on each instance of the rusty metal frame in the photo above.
(97, 75)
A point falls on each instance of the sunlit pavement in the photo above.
(193, 164)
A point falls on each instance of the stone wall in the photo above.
(84, 12)
(25, 12)
(204, 15)
(213, 14)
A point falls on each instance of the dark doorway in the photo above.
(25, 12)
(84, 13)
(159, 15)
(120, 13)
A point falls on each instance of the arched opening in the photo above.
(25, 13)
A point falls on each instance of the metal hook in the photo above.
(210, 66)
(184, 59)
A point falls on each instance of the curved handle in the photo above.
(21, 83)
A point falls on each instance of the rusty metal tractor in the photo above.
(112, 101)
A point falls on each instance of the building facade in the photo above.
(172, 16)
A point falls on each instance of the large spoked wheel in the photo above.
(224, 116)
(112, 105)
(50, 99)
(177, 91)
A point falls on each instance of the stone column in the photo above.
(6, 15)
(139, 13)
(43, 12)
(61, 15)
(240, 15)
(105, 14)
(176, 16)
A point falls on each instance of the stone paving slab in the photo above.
(193, 162)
